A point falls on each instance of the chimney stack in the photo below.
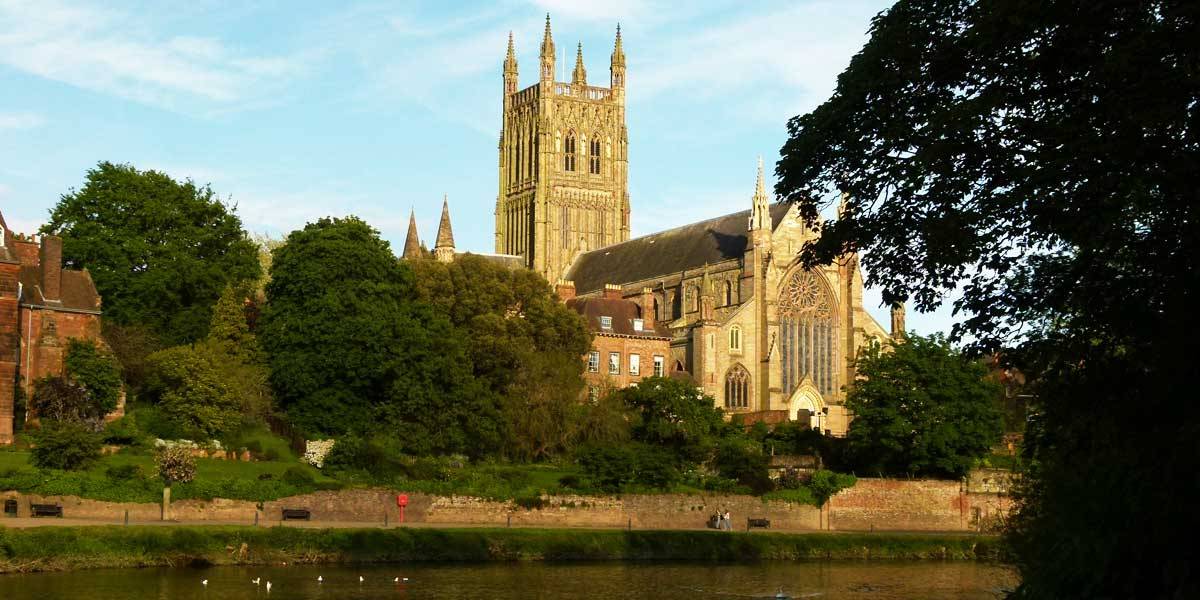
(648, 314)
(565, 290)
(51, 266)
(612, 291)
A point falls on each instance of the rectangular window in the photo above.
(658, 366)
(635, 364)
(593, 361)
(605, 322)
(638, 324)
(614, 363)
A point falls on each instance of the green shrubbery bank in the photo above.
(62, 548)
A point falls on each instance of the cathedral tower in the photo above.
(563, 163)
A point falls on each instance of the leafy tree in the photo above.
(67, 445)
(351, 349)
(1045, 151)
(235, 354)
(96, 370)
(922, 409)
(174, 465)
(88, 389)
(542, 406)
(159, 251)
(191, 393)
(675, 415)
(741, 459)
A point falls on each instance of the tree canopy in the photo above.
(921, 409)
(1043, 154)
(159, 251)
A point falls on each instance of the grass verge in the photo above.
(67, 548)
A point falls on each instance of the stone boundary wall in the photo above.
(872, 504)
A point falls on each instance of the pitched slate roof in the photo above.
(622, 311)
(666, 252)
(78, 291)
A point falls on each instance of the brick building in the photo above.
(42, 305)
(627, 346)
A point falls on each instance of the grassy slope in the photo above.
(59, 548)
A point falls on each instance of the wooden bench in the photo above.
(10, 507)
(763, 523)
(45, 510)
(297, 514)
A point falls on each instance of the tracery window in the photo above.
(569, 153)
(594, 156)
(808, 333)
(737, 387)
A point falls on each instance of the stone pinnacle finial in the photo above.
(618, 51)
(510, 59)
(580, 75)
(445, 236)
(412, 243)
(547, 40)
(760, 216)
(760, 189)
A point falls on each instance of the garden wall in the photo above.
(878, 504)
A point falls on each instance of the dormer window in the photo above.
(638, 324)
(605, 322)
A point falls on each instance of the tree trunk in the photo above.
(166, 507)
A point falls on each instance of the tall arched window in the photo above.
(569, 152)
(728, 293)
(735, 339)
(737, 387)
(693, 298)
(808, 333)
(594, 155)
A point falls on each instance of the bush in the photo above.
(122, 432)
(376, 457)
(743, 461)
(613, 467)
(298, 476)
(64, 445)
(123, 472)
(825, 484)
(175, 465)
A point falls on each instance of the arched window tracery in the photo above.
(594, 155)
(737, 387)
(808, 333)
(569, 152)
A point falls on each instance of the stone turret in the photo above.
(547, 74)
(412, 243)
(579, 75)
(898, 321)
(510, 68)
(443, 247)
(617, 65)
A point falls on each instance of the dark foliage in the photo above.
(159, 251)
(67, 445)
(1045, 153)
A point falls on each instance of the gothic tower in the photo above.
(563, 163)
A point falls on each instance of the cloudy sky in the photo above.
(295, 110)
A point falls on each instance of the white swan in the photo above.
(320, 579)
(268, 587)
(360, 579)
(256, 580)
(204, 582)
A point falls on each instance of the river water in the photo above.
(876, 580)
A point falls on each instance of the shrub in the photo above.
(122, 432)
(569, 482)
(374, 456)
(428, 469)
(123, 472)
(297, 476)
(743, 461)
(613, 467)
(825, 484)
(175, 465)
(64, 445)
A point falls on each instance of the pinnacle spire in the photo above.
(760, 216)
(580, 74)
(547, 40)
(445, 237)
(618, 54)
(510, 59)
(412, 243)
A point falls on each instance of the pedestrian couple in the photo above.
(723, 522)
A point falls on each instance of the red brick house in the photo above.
(628, 345)
(42, 305)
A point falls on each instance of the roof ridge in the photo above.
(676, 228)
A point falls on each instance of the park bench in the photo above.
(296, 514)
(763, 523)
(45, 510)
(10, 507)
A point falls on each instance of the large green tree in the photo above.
(1045, 153)
(160, 251)
(921, 408)
(524, 347)
(351, 348)
(676, 415)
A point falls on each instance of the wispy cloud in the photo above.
(20, 120)
(116, 53)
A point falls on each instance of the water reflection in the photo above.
(827, 580)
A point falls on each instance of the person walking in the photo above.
(728, 523)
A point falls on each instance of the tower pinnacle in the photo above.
(760, 216)
(443, 248)
(510, 67)
(617, 64)
(412, 243)
(579, 77)
(547, 53)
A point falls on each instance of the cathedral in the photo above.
(766, 338)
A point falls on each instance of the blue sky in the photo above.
(297, 110)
